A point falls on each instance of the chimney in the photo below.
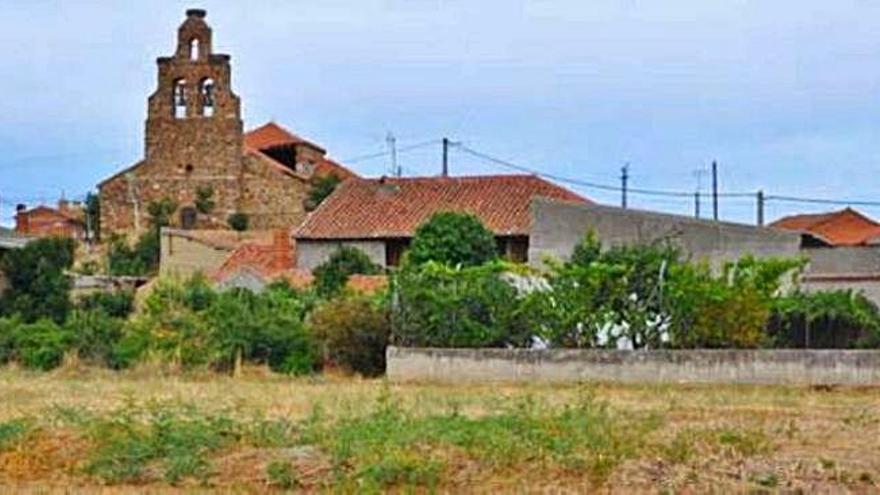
(22, 225)
(282, 251)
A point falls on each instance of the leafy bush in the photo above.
(731, 309)
(263, 328)
(8, 333)
(205, 199)
(143, 257)
(453, 238)
(190, 325)
(353, 331)
(836, 319)
(95, 335)
(331, 276)
(117, 303)
(37, 284)
(437, 305)
(321, 187)
(642, 296)
(41, 345)
(238, 221)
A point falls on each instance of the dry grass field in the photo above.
(83, 430)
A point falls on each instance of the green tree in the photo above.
(321, 188)
(205, 199)
(332, 275)
(143, 257)
(93, 216)
(160, 213)
(39, 286)
(453, 238)
(238, 221)
(353, 331)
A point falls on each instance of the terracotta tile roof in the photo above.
(271, 135)
(395, 207)
(268, 259)
(72, 216)
(845, 227)
(269, 262)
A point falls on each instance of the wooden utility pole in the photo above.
(624, 177)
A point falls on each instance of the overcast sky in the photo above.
(784, 94)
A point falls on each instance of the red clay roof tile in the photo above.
(271, 134)
(845, 227)
(395, 207)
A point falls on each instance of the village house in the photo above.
(183, 253)
(380, 216)
(198, 156)
(67, 220)
(254, 265)
(843, 248)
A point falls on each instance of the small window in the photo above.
(179, 99)
(188, 216)
(194, 49)
(207, 95)
(189, 169)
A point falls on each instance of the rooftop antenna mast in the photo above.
(391, 141)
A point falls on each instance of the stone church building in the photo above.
(195, 141)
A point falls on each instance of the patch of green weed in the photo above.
(14, 431)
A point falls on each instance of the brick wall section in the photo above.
(43, 221)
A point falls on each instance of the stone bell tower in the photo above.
(194, 127)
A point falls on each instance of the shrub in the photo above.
(41, 345)
(331, 276)
(38, 286)
(830, 320)
(263, 328)
(238, 221)
(322, 187)
(731, 309)
(353, 331)
(171, 327)
(95, 335)
(8, 333)
(117, 303)
(453, 238)
(437, 305)
(123, 259)
(205, 199)
(190, 325)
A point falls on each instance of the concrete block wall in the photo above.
(558, 226)
(311, 253)
(806, 367)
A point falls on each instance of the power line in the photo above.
(761, 197)
(399, 149)
(839, 202)
(583, 183)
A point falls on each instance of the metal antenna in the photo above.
(391, 141)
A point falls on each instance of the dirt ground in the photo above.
(706, 437)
